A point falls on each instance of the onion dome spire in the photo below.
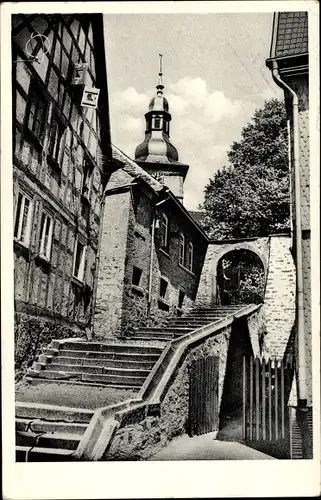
(156, 146)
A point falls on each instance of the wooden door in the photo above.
(203, 396)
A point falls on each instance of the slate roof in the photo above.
(134, 170)
(291, 35)
(198, 216)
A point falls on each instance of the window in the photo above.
(87, 179)
(23, 219)
(181, 249)
(137, 273)
(55, 140)
(190, 256)
(37, 113)
(163, 288)
(45, 236)
(181, 297)
(164, 232)
(79, 261)
(157, 123)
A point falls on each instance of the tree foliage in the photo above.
(251, 196)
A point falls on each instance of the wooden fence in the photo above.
(265, 393)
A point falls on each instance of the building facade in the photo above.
(152, 253)
(289, 63)
(61, 153)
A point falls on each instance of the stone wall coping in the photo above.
(250, 238)
(158, 379)
(107, 420)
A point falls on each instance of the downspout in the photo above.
(97, 262)
(150, 279)
(302, 386)
(152, 248)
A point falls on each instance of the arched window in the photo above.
(164, 232)
(190, 256)
(181, 249)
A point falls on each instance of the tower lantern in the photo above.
(156, 154)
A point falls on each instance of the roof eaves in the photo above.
(134, 170)
(188, 215)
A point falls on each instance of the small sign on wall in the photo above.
(90, 97)
(79, 73)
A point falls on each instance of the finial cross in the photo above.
(160, 64)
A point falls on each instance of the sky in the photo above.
(214, 76)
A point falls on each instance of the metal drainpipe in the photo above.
(302, 387)
(150, 281)
(97, 262)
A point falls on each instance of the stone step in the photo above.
(38, 454)
(138, 372)
(216, 314)
(110, 348)
(112, 363)
(48, 440)
(119, 356)
(38, 425)
(53, 413)
(39, 381)
(208, 319)
(159, 333)
(191, 322)
(164, 329)
(154, 336)
(128, 381)
(121, 379)
(216, 310)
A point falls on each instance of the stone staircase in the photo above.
(184, 324)
(50, 432)
(119, 365)
(46, 433)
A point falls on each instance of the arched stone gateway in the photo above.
(279, 298)
(206, 295)
(240, 278)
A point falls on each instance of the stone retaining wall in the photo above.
(141, 435)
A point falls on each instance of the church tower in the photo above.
(156, 154)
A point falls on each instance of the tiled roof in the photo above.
(292, 34)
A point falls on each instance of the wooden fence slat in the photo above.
(190, 407)
(244, 399)
(282, 402)
(201, 396)
(198, 402)
(216, 391)
(276, 393)
(207, 365)
(251, 399)
(210, 395)
(270, 399)
(193, 397)
(263, 400)
(257, 398)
